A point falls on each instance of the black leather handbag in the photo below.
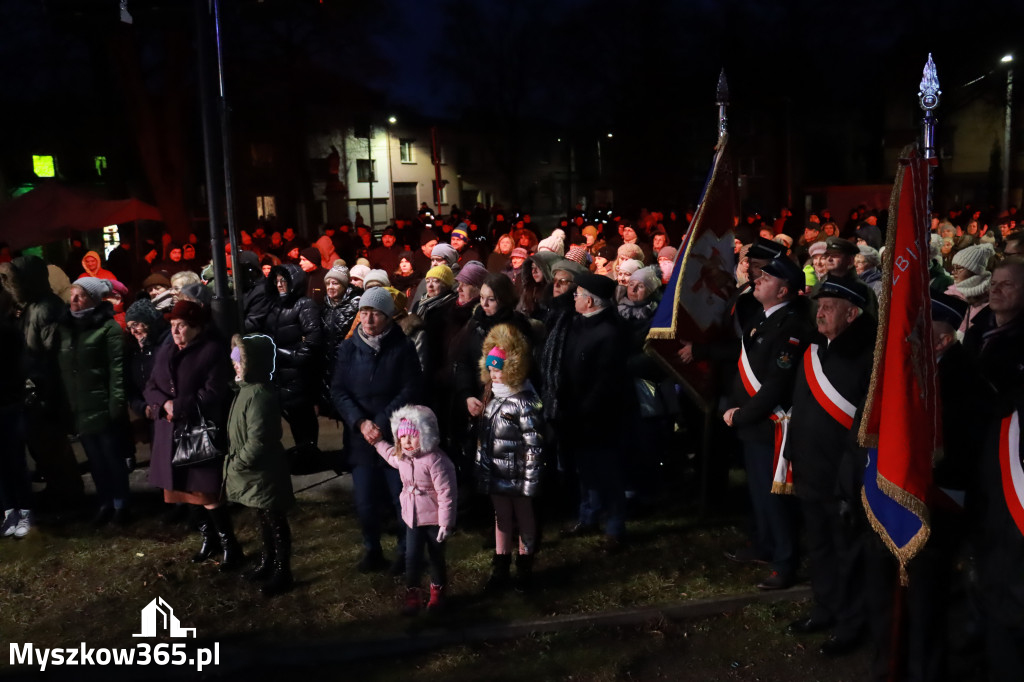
(196, 441)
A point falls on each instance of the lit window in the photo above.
(44, 166)
(406, 151)
(111, 237)
(366, 170)
(444, 190)
(265, 207)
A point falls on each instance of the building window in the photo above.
(442, 158)
(405, 151)
(366, 170)
(265, 207)
(444, 191)
(44, 166)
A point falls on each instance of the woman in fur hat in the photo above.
(510, 451)
(428, 500)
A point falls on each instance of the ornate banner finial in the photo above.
(929, 93)
(722, 99)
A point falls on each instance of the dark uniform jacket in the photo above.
(775, 348)
(827, 462)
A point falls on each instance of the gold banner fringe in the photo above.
(917, 507)
(782, 488)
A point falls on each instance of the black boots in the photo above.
(265, 567)
(524, 572)
(281, 537)
(500, 573)
(221, 520)
(211, 545)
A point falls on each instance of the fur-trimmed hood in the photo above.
(26, 278)
(258, 357)
(296, 277)
(425, 422)
(517, 355)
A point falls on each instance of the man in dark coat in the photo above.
(772, 346)
(376, 372)
(998, 502)
(37, 316)
(385, 256)
(254, 301)
(592, 426)
(828, 464)
(294, 324)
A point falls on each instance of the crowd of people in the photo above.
(473, 355)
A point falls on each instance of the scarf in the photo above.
(374, 341)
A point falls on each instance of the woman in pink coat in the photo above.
(428, 500)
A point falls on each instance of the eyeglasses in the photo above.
(562, 281)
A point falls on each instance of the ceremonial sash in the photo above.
(782, 479)
(1011, 468)
(838, 407)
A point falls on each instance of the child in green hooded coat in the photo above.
(256, 469)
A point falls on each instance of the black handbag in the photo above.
(196, 441)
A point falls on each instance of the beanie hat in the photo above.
(157, 278)
(197, 292)
(94, 287)
(378, 277)
(406, 428)
(445, 251)
(974, 258)
(589, 231)
(817, 249)
(443, 273)
(120, 289)
(519, 252)
(339, 273)
(358, 272)
(405, 255)
(460, 232)
(472, 273)
(650, 277)
(577, 254)
(427, 236)
(143, 311)
(193, 313)
(379, 299)
(631, 251)
(312, 254)
(496, 358)
(556, 242)
(668, 253)
(870, 254)
(630, 266)
(400, 299)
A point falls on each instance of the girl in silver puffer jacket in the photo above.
(510, 447)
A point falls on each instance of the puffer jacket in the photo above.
(428, 479)
(92, 367)
(294, 324)
(509, 453)
(256, 470)
(336, 319)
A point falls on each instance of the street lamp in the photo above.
(1007, 59)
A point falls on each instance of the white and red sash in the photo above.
(831, 400)
(782, 481)
(1011, 468)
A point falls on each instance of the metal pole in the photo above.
(391, 178)
(928, 97)
(213, 191)
(437, 169)
(369, 155)
(229, 204)
(1007, 160)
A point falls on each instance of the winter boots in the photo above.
(413, 601)
(265, 567)
(524, 572)
(220, 518)
(500, 573)
(281, 534)
(211, 545)
(437, 599)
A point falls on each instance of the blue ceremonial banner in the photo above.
(696, 305)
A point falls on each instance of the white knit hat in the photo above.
(555, 243)
(650, 276)
(340, 273)
(378, 277)
(631, 265)
(974, 258)
(358, 272)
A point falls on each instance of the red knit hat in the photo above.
(192, 313)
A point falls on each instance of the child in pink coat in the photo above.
(428, 500)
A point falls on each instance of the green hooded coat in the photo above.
(256, 469)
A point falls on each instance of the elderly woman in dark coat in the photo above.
(192, 373)
(92, 367)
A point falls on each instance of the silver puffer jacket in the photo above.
(509, 453)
